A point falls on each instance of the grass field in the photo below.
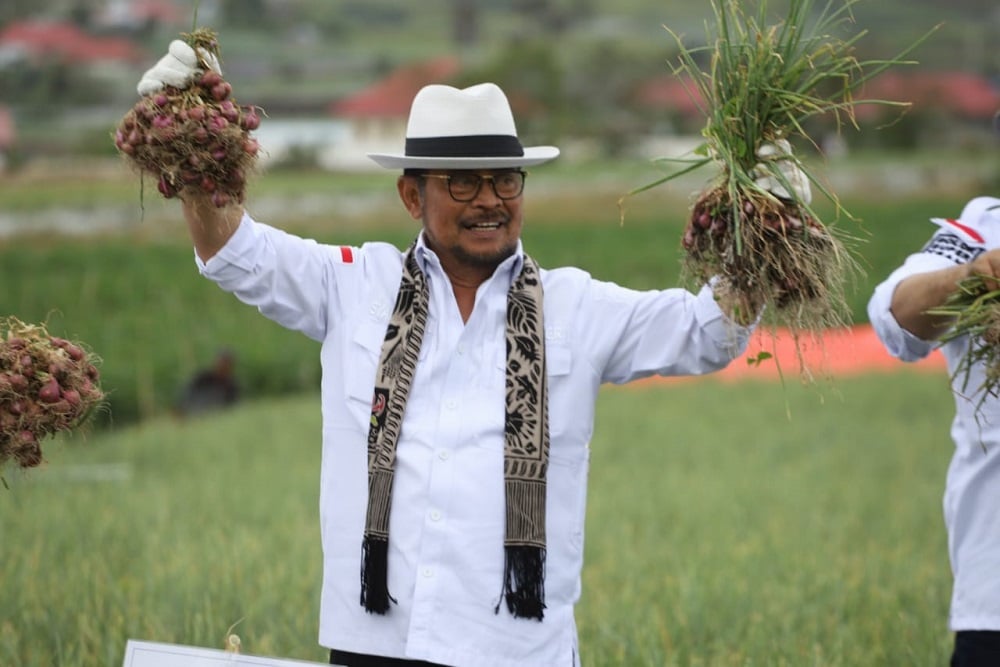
(720, 532)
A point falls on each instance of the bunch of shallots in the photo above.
(785, 255)
(197, 138)
(47, 385)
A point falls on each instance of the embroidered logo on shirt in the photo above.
(950, 246)
(379, 311)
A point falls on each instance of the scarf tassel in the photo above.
(375, 576)
(524, 581)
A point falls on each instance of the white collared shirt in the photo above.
(972, 489)
(447, 518)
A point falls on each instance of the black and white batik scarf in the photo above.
(526, 436)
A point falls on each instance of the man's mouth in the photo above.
(484, 226)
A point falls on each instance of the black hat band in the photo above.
(478, 145)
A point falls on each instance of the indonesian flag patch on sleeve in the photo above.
(343, 254)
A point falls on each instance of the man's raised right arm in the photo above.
(210, 226)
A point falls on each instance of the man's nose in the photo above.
(488, 191)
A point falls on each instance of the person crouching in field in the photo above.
(458, 391)
(958, 249)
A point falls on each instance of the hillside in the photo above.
(298, 56)
(319, 48)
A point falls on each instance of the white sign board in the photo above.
(154, 654)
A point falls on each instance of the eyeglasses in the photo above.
(464, 186)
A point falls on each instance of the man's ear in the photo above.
(409, 194)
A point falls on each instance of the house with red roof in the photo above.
(6, 128)
(375, 116)
(963, 95)
(967, 100)
(7, 135)
(960, 94)
(140, 14)
(676, 94)
(39, 41)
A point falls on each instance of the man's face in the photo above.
(469, 236)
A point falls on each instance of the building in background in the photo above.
(7, 137)
(375, 116)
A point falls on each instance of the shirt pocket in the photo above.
(558, 361)
(363, 353)
(558, 364)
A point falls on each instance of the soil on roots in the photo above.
(772, 253)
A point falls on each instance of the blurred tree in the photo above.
(542, 16)
(15, 10)
(246, 13)
(601, 85)
(465, 22)
(81, 13)
(377, 13)
(583, 9)
(529, 72)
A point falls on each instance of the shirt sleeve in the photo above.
(668, 332)
(899, 342)
(289, 279)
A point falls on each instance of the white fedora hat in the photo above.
(469, 128)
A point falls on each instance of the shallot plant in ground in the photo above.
(758, 85)
(197, 138)
(47, 385)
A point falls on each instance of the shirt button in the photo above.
(428, 572)
(435, 515)
(443, 455)
(461, 349)
(451, 405)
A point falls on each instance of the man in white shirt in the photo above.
(458, 393)
(959, 248)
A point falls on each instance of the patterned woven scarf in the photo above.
(526, 439)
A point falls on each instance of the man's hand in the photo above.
(178, 68)
(739, 308)
(778, 171)
(986, 266)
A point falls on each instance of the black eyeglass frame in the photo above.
(482, 177)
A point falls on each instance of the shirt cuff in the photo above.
(898, 342)
(237, 253)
